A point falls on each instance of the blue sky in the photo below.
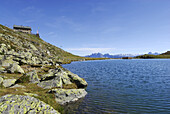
(83, 27)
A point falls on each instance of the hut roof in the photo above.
(21, 27)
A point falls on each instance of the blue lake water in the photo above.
(123, 86)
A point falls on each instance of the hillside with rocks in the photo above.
(32, 79)
(165, 55)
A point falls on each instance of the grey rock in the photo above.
(15, 68)
(55, 82)
(1, 57)
(17, 85)
(52, 73)
(2, 69)
(48, 76)
(6, 63)
(32, 47)
(19, 104)
(65, 78)
(8, 82)
(3, 48)
(64, 96)
(80, 82)
(1, 80)
(33, 77)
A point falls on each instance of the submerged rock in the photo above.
(63, 96)
(19, 104)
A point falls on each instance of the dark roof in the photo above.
(21, 27)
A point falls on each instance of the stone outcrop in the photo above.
(10, 66)
(57, 77)
(55, 82)
(19, 104)
(63, 96)
(8, 82)
(2, 69)
(15, 68)
(17, 86)
(30, 77)
(1, 80)
(33, 77)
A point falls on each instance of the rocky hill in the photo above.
(31, 78)
(165, 55)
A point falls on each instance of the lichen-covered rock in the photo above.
(8, 82)
(15, 68)
(30, 77)
(65, 78)
(33, 77)
(57, 77)
(1, 80)
(63, 96)
(2, 69)
(48, 76)
(31, 94)
(55, 82)
(80, 82)
(32, 47)
(3, 48)
(17, 86)
(7, 62)
(19, 104)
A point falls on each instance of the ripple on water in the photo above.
(124, 86)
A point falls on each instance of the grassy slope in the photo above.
(62, 55)
(161, 56)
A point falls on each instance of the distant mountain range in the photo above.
(99, 55)
(156, 53)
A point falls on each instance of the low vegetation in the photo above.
(147, 56)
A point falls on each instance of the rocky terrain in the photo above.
(32, 79)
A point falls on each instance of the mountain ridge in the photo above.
(107, 55)
(99, 55)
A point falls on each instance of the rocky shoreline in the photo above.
(32, 79)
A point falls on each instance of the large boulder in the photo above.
(3, 48)
(65, 79)
(57, 77)
(17, 86)
(2, 69)
(15, 68)
(52, 79)
(31, 77)
(80, 82)
(19, 104)
(55, 82)
(64, 96)
(1, 80)
(7, 62)
(48, 76)
(8, 82)
(31, 46)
